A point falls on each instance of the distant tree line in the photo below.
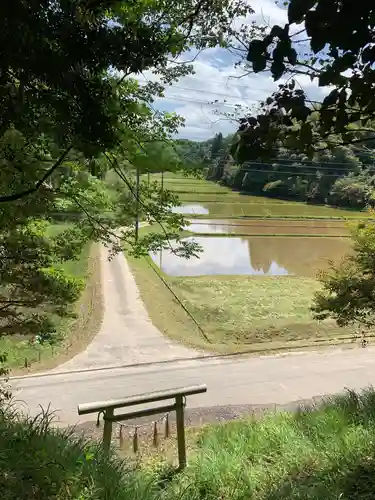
(343, 176)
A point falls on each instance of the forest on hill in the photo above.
(343, 176)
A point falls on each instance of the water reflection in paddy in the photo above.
(193, 209)
(255, 256)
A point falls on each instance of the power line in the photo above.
(230, 84)
(197, 101)
(296, 165)
(201, 91)
(297, 171)
(203, 80)
(288, 172)
(299, 162)
(316, 169)
(311, 162)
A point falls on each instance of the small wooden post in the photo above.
(107, 431)
(137, 205)
(180, 424)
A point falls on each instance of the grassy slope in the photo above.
(75, 331)
(321, 454)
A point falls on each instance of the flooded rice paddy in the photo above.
(258, 247)
(191, 209)
(255, 256)
(249, 206)
(255, 280)
(317, 227)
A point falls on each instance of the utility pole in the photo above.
(137, 206)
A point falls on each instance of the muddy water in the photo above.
(257, 256)
(329, 228)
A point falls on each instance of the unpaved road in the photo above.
(127, 337)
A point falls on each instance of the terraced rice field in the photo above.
(253, 285)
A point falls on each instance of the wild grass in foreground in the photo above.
(38, 462)
(323, 453)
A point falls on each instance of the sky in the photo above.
(216, 78)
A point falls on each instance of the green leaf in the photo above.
(317, 43)
(297, 10)
(325, 78)
(368, 54)
(331, 98)
(259, 64)
(256, 49)
(306, 133)
(277, 69)
(277, 31)
(292, 56)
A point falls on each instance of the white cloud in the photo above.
(216, 79)
(267, 12)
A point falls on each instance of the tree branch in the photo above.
(122, 176)
(21, 194)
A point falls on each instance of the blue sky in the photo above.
(216, 78)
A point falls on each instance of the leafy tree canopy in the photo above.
(71, 114)
(332, 43)
(54, 76)
(217, 145)
(349, 288)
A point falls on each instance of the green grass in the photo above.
(321, 453)
(237, 313)
(21, 353)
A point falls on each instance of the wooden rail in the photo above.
(108, 409)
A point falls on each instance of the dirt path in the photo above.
(127, 335)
